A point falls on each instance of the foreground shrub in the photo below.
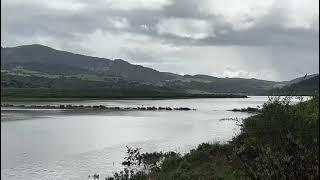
(281, 142)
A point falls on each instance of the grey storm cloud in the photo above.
(172, 35)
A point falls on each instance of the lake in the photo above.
(72, 144)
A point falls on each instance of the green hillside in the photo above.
(307, 86)
(37, 66)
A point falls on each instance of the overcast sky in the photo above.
(269, 39)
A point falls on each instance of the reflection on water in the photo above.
(71, 144)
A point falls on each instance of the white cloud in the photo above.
(186, 28)
(240, 14)
(117, 45)
(145, 27)
(119, 22)
(278, 38)
(301, 14)
(71, 5)
(236, 73)
(246, 14)
(137, 4)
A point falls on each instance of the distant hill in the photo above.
(302, 78)
(38, 66)
(47, 60)
(222, 85)
(308, 85)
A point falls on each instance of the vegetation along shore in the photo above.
(280, 142)
(8, 94)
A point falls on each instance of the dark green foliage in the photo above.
(40, 87)
(139, 166)
(112, 93)
(281, 142)
(14, 86)
(13, 81)
(223, 85)
(202, 163)
(83, 93)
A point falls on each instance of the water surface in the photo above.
(71, 144)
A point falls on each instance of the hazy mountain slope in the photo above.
(212, 84)
(300, 86)
(223, 85)
(45, 62)
(45, 59)
(297, 80)
(307, 85)
(128, 71)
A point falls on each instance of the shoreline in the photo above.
(5, 99)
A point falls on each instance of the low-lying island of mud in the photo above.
(248, 110)
(98, 107)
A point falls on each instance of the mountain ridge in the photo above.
(43, 61)
(33, 56)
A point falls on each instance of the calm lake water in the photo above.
(72, 144)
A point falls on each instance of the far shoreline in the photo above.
(11, 99)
